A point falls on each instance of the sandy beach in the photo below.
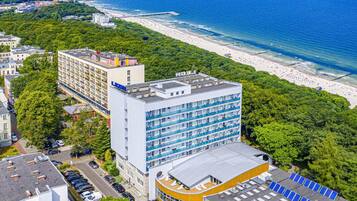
(260, 63)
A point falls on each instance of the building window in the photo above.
(172, 94)
(128, 72)
(4, 117)
(177, 93)
(5, 126)
(140, 181)
(182, 92)
(6, 136)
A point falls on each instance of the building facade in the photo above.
(102, 20)
(156, 125)
(9, 40)
(7, 67)
(86, 75)
(19, 54)
(5, 126)
(7, 88)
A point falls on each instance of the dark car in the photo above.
(83, 183)
(53, 151)
(128, 195)
(118, 187)
(76, 181)
(109, 178)
(56, 163)
(85, 188)
(93, 165)
(73, 177)
(70, 172)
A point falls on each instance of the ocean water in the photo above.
(321, 32)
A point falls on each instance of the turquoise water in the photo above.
(323, 32)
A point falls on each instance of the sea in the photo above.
(314, 36)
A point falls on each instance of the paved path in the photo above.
(97, 180)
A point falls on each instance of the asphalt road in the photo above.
(97, 180)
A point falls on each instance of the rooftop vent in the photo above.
(10, 168)
(28, 193)
(146, 95)
(42, 178)
(10, 162)
(15, 177)
(32, 162)
(36, 172)
(139, 96)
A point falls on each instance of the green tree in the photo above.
(114, 199)
(108, 155)
(334, 167)
(36, 63)
(38, 115)
(101, 141)
(281, 140)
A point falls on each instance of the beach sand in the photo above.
(257, 61)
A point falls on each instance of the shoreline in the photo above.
(259, 62)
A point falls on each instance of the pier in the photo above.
(337, 78)
(173, 13)
(261, 52)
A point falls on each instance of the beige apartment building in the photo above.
(9, 40)
(87, 74)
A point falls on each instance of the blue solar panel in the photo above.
(304, 199)
(316, 187)
(297, 178)
(292, 176)
(307, 182)
(297, 197)
(287, 192)
(312, 184)
(272, 184)
(328, 192)
(291, 195)
(323, 190)
(301, 180)
(276, 187)
(281, 189)
(333, 195)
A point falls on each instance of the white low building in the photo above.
(5, 127)
(31, 177)
(9, 40)
(19, 54)
(102, 20)
(8, 67)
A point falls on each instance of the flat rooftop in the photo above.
(27, 49)
(85, 54)
(198, 82)
(223, 163)
(22, 173)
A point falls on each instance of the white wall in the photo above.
(117, 101)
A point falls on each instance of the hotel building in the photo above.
(157, 125)
(86, 75)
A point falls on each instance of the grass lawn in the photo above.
(8, 151)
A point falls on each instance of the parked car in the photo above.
(80, 184)
(128, 195)
(14, 137)
(86, 194)
(93, 165)
(69, 172)
(53, 151)
(76, 181)
(56, 163)
(60, 143)
(73, 177)
(85, 188)
(118, 187)
(94, 197)
(109, 178)
(53, 143)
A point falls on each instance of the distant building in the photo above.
(5, 127)
(155, 125)
(76, 110)
(9, 40)
(4, 56)
(86, 75)
(7, 67)
(102, 20)
(31, 177)
(7, 88)
(22, 52)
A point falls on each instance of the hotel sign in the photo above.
(119, 86)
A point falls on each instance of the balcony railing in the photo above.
(192, 128)
(190, 109)
(191, 137)
(176, 151)
(192, 118)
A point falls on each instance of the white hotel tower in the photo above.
(157, 125)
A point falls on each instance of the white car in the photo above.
(86, 194)
(60, 143)
(94, 197)
(14, 137)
